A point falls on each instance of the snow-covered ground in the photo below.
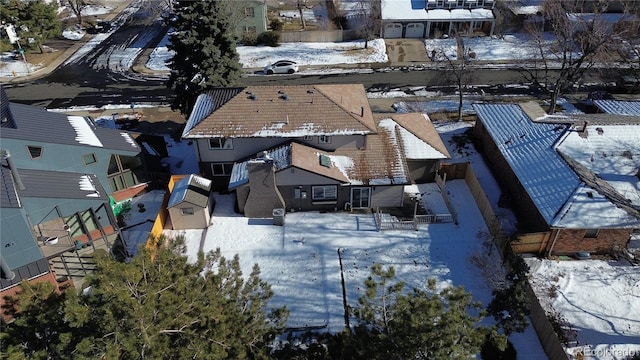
(600, 300)
(350, 52)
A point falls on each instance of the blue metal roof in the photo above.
(529, 148)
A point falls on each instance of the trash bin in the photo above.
(278, 216)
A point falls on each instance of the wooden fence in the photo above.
(318, 36)
(163, 215)
(548, 338)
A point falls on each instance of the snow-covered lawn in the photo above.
(350, 52)
(599, 299)
(507, 47)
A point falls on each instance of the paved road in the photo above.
(103, 76)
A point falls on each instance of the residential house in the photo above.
(253, 17)
(190, 204)
(58, 174)
(436, 18)
(310, 147)
(573, 180)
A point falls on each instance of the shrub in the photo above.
(276, 25)
(270, 38)
(249, 39)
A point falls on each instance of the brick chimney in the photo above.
(264, 196)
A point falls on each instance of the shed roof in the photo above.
(281, 111)
(192, 189)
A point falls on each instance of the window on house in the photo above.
(250, 30)
(121, 171)
(220, 143)
(221, 169)
(249, 11)
(327, 192)
(324, 139)
(186, 211)
(307, 138)
(591, 234)
(89, 159)
(35, 151)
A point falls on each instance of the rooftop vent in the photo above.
(600, 130)
(253, 96)
(589, 194)
(284, 97)
(309, 91)
(280, 91)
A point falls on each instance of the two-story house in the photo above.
(436, 18)
(252, 16)
(310, 147)
(58, 175)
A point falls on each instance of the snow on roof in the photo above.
(587, 209)
(86, 184)
(280, 156)
(612, 153)
(84, 133)
(182, 187)
(611, 18)
(414, 147)
(127, 137)
(402, 10)
(618, 107)
(529, 149)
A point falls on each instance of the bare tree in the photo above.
(369, 13)
(579, 39)
(76, 7)
(458, 66)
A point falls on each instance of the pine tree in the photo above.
(204, 46)
(160, 306)
(431, 324)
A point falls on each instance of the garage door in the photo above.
(415, 30)
(393, 30)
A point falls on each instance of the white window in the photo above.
(221, 169)
(324, 139)
(249, 12)
(186, 211)
(220, 143)
(307, 138)
(327, 192)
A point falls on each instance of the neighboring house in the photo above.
(58, 173)
(573, 180)
(310, 148)
(253, 17)
(436, 18)
(190, 204)
(617, 107)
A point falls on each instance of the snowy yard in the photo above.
(599, 299)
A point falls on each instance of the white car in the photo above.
(281, 67)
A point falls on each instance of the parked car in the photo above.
(281, 67)
(100, 27)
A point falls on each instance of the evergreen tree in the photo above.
(431, 324)
(42, 21)
(160, 306)
(510, 305)
(204, 46)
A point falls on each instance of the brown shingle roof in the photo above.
(307, 158)
(420, 126)
(288, 111)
